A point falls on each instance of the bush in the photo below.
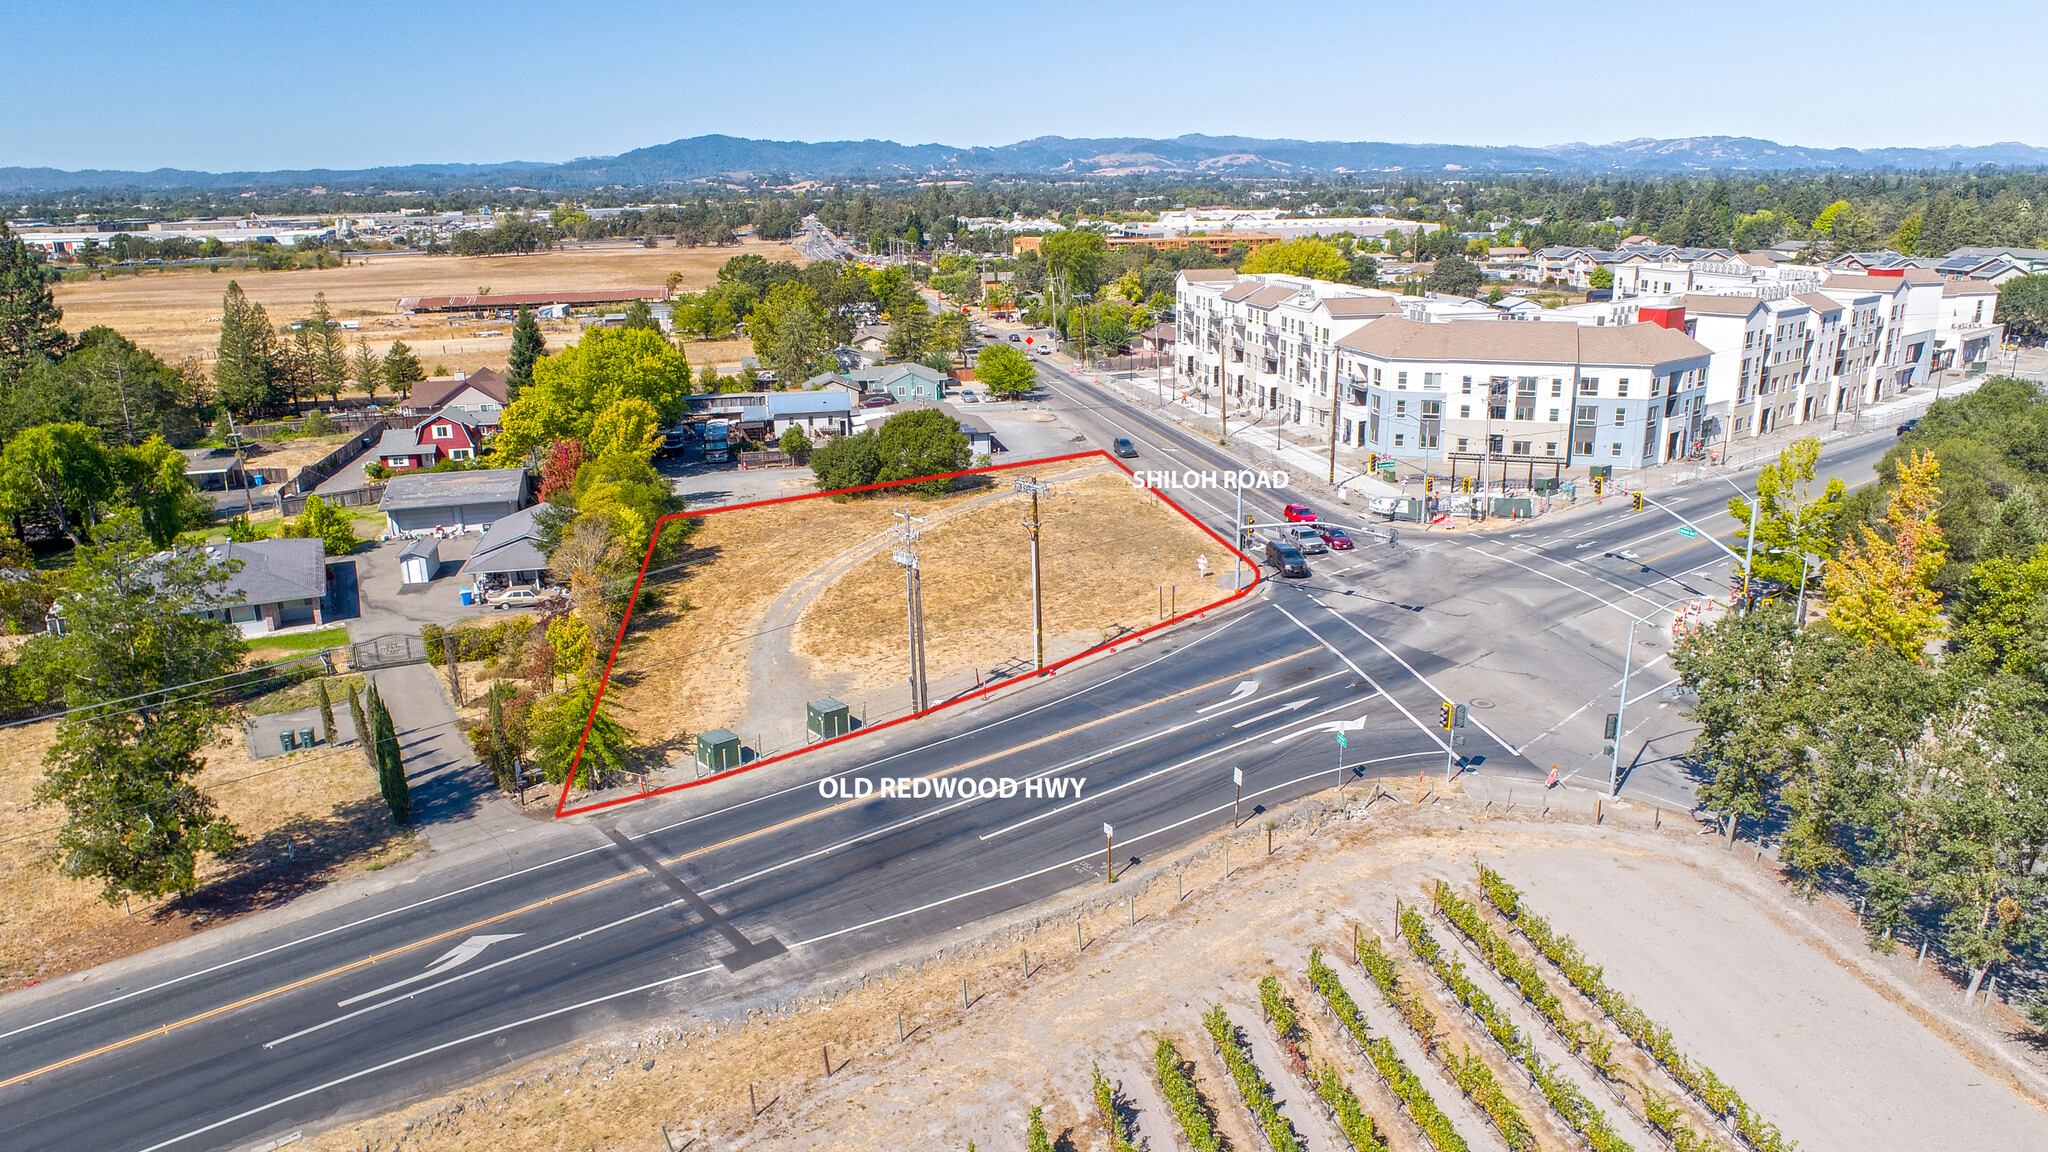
(1197, 1119)
(323, 521)
(486, 642)
(318, 424)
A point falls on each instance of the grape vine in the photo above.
(1393, 1071)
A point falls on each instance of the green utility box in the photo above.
(1602, 472)
(1544, 486)
(827, 718)
(717, 751)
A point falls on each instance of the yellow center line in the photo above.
(591, 887)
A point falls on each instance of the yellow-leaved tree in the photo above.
(1880, 587)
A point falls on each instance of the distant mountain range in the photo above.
(713, 157)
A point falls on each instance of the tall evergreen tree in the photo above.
(326, 713)
(246, 370)
(528, 345)
(362, 723)
(326, 354)
(29, 316)
(368, 369)
(401, 368)
(390, 761)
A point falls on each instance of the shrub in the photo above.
(1252, 1087)
(1195, 1116)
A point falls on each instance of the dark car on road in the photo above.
(1908, 426)
(1286, 558)
(1125, 448)
(1335, 537)
(1299, 513)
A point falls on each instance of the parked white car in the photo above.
(524, 596)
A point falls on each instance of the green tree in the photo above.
(794, 440)
(927, 442)
(389, 758)
(368, 369)
(910, 321)
(557, 725)
(247, 366)
(29, 317)
(628, 427)
(1791, 521)
(364, 739)
(571, 387)
(641, 316)
(401, 368)
(326, 354)
(327, 732)
(2002, 614)
(847, 461)
(789, 332)
(153, 481)
(61, 473)
(1601, 277)
(1004, 371)
(528, 346)
(2023, 306)
(138, 632)
(325, 522)
(1305, 256)
(1880, 588)
(1455, 276)
(1036, 1138)
(1076, 258)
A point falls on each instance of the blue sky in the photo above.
(224, 85)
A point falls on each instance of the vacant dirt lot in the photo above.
(684, 668)
(175, 314)
(1771, 992)
(1106, 551)
(307, 817)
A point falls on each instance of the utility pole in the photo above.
(1237, 553)
(907, 532)
(1034, 489)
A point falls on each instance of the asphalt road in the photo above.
(762, 886)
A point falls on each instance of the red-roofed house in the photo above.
(446, 435)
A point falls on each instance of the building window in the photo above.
(1590, 386)
(1621, 389)
(1656, 384)
(1519, 448)
(1468, 386)
(443, 432)
(1553, 415)
(1493, 444)
(1588, 413)
(1400, 379)
(1433, 380)
(1583, 448)
(1464, 411)
(1525, 386)
(1557, 388)
(1614, 449)
(1400, 408)
(1464, 444)
(1399, 438)
(1620, 417)
(1550, 448)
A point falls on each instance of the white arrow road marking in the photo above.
(460, 954)
(1332, 726)
(1288, 707)
(1244, 688)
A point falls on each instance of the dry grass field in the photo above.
(307, 817)
(1106, 549)
(684, 667)
(175, 313)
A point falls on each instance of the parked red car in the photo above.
(1335, 538)
(1299, 513)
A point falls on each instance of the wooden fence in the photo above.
(312, 475)
(364, 497)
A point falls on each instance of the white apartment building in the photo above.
(1965, 335)
(1266, 344)
(1514, 396)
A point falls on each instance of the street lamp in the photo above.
(1756, 504)
(1808, 563)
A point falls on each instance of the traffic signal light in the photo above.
(1467, 482)
(1597, 489)
(1638, 502)
(1372, 461)
(1613, 725)
(1428, 485)
(1458, 716)
(1446, 712)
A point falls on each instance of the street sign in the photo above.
(1237, 777)
(1689, 533)
(1342, 742)
(1108, 830)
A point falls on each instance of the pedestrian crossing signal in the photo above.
(1639, 502)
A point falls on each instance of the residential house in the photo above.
(981, 438)
(281, 584)
(903, 381)
(508, 554)
(481, 395)
(452, 502)
(446, 435)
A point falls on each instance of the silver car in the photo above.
(1306, 538)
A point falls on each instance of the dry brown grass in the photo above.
(321, 807)
(171, 313)
(1106, 548)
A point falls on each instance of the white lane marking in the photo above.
(1244, 688)
(478, 971)
(1338, 726)
(1476, 722)
(1377, 687)
(1291, 706)
(1158, 772)
(461, 954)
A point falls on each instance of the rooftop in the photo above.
(446, 489)
(275, 570)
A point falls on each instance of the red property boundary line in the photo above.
(604, 683)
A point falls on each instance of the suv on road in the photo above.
(1306, 538)
(1125, 448)
(1299, 513)
(1286, 559)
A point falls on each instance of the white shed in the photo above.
(418, 561)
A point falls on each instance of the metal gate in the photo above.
(387, 652)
